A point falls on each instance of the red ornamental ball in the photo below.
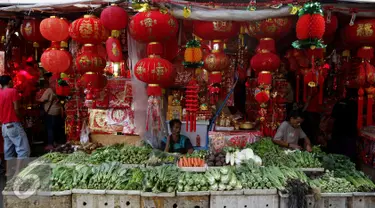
(56, 60)
(94, 80)
(153, 26)
(154, 70)
(114, 50)
(114, 18)
(262, 97)
(30, 30)
(216, 30)
(265, 62)
(88, 29)
(216, 61)
(275, 28)
(90, 60)
(54, 29)
(310, 26)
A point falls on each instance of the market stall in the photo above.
(142, 82)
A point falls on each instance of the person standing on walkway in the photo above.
(16, 144)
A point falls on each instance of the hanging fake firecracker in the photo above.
(193, 55)
(154, 71)
(215, 62)
(192, 105)
(366, 73)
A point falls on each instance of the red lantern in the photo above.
(30, 31)
(153, 25)
(89, 60)
(265, 61)
(114, 50)
(114, 18)
(102, 51)
(94, 80)
(217, 60)
(216, 30)
(88, 29)
(64, 43)
(54, 29)
(56, 60)
(310, 26)
(265, 78)
(361, 33)
(274, 28)
(154, 71)
(262, 97)
(266, 44)
(62, 90)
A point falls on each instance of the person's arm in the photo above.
(189, 146)
(46, 96)
(279, 136)
(306, 139)
(167, 143)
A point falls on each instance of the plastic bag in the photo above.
(85, 132)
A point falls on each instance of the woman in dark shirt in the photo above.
(176, 142)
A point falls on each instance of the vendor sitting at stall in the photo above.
(290, 133)
(176, 142)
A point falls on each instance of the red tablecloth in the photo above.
(220, 139)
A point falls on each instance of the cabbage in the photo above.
(216, 175)
(187, 188)
(213, 187)
(238, 185)
(224, 170)
(210, 178)
(248, 153)
(233, 181)
(225, 179)
(180, 187)
(222, 187)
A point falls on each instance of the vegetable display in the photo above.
(161, 179)
(216, 159)
(223, 179)
(236, 157)
(330, 184)
(192, 182)
(121, 153)
(158, 157)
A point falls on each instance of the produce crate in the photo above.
(61, 199)
(331, 200)
(227, 199)
(259, 198)
(363, 200)
(83, 198)
(199, 199)
(151, 200)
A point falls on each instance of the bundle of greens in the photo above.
(78, 157)
(63, 178)
(252, 176)
(121, 153)
(198, 154)
(223, 179)
(265, 146)
(358, 179)
(328, 183)
(158, 157)
(54, 157)
(31, 178)
(192, 182)
(161, 179)
(302, 159)
(337, 162)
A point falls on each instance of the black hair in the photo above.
(173, 122)
(295, 114)
(5, 79)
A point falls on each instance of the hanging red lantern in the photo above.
(88, 29)
(216, 30)
(93, 80)
(359, 34)
(89, 60)
(54, 29)
(217, 60)
(265, 78)
(262, 97)
(153, 71)
(56, 60)
(153, 25)
(114, 50)
(31, 32)
(64, 43)
(310, 26)
(275, 28)
(102, 51)
(267, 44)
(265, 61)
(114, 18)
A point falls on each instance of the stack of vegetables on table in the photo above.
(262, 165)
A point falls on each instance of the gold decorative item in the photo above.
(246, 125)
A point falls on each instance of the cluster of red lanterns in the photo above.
(153, 27)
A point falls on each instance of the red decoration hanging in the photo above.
(331, 25)
(56, 60)
(54, 29)
(114, 50)
(31, 32)
(266, 44)
(265, 61)
(192, 105)
(89, 60)
(264, 78)
(153, 25)
(216, 30)
(88, 29)
(275, 28)
(93, 80)
(359, 34)
(114, 18)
